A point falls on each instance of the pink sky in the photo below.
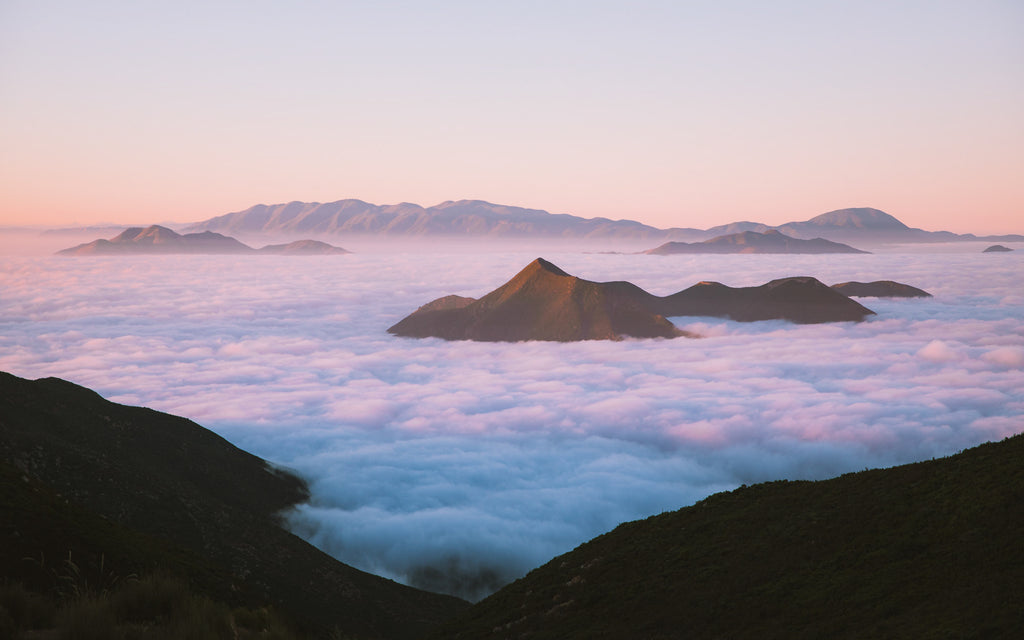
(674, 114)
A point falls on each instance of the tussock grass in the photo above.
(156, 607)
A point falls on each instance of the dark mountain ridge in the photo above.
(148, 490)
(925, 550)
(542, 302)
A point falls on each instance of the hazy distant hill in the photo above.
(142, 491)
(926, 550)
(452, 218)
(479, 218)
(770, 241)
(303, 248)
(161, 240)
(157, 239)
(542, 302)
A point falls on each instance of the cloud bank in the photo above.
(459, 466)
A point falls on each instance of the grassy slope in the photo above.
(148, 491)
(927, 550)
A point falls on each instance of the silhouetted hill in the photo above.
(926, 550)
(880, 289)
(770, 241)
(161, 240)
(146, 490)
(997, 248)
(542, 302)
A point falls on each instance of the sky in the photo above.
(459, 466)
(686, 114)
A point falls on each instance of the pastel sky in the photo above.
(673, 113)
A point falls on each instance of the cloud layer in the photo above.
(460, 466)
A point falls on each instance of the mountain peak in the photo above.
(858, 218)
(542, 264)
(154, 234)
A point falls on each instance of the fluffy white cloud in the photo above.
(461, 465)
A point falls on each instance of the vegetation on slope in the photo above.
(136, 491)
(927, 550)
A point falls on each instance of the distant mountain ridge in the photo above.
(769, 241)
(480, 218)
(451, 218)
(156, 239)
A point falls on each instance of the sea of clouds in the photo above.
(459, 466)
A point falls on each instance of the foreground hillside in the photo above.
(927, 550)
(130, 491)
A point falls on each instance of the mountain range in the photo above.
(157, 239)
(542, 302)
(480, 218)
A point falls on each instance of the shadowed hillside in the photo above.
(144, 490)
(926, 550)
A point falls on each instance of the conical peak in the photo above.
(541, 263)
(135, 234)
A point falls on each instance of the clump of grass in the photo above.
(87, 618)
(22, 609)
(159, 606)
